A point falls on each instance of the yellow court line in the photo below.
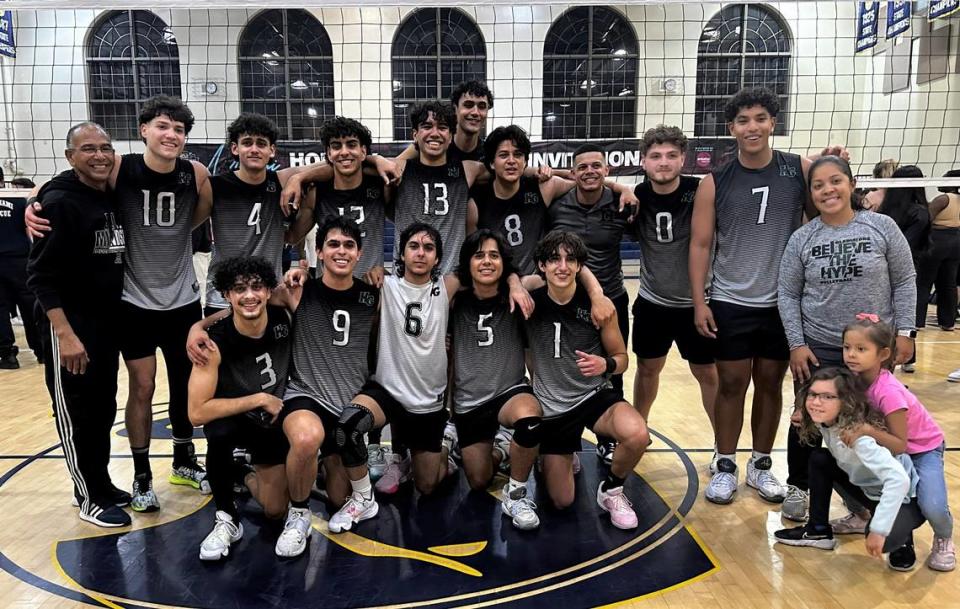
(74, 584)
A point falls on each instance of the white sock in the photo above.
(758, 455)
(362, 487)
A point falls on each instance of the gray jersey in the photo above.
(601, 226)
(364, 205)
(436, 196)
(411, 349)
(331, 343)
(157, 213)
(247, 221)
(756, 212)
(662, 228)
(556, 332)
(487, 350)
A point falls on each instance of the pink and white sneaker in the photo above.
(616, 503)
(396, 473)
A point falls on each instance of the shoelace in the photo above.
(291, 523)
(621, 502)
(224, 530)
(795, 493)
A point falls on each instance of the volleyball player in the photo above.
(236, 396)
(472, 101)
(489, 383)
(745, 212)
(161, 198)
(663, 310)
(572, 364)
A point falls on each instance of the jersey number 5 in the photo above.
(166, 208)
(764, 192)
(441, 197)
(484, 331)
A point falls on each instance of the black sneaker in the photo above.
(118, 496)
(107, 517)
(903, 558)
(804, 537)
(9, 362)
(605, 450)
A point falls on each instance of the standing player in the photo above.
(161, 198)
(472, 100)
(236, 397)
(663, 310)
(572, 363)
(749, 208)
(489, 384)
(77, 276)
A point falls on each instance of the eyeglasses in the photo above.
(823, 397)
(91, 149)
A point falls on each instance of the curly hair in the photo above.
(749, 97)
(228, 272)
(251, 123)
(165, 105)
(473, 87)
(410, 231)
(663, 134)
(510, 133)
(472, 245)
(443, 114)
(341, 126)
(855, 408)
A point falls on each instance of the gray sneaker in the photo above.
(723, 484)
(942, 555)
(851, 524)
(761, 478)
(795, 504)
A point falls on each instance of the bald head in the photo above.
(85, 126)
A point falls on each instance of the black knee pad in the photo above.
(526, 432)
(355, 421)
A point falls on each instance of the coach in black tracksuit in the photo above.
(76, 272)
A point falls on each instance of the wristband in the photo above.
(611, 365)
(907, 333)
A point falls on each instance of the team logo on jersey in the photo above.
(367, 299)
(531, 198)
(109, 239)
(788, 171)
(688, 196)
(281, 331)
(373, 193)
(453, 171)
(271, 186)
(184, 177)
(584, 315)
(436, 290)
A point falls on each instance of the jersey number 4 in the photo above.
(166, 210)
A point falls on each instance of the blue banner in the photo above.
(898, 18)
(7, 46)
(942, 8)
(868, 17)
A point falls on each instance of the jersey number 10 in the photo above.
(166, 208)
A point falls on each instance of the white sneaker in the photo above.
(356, 509)
(376, 460)
(396, 473)
(723, 484)
(760, 478)
(712, 467)
(954, 377)
(225, 533)
(521, 509)
(795, 505)
(296, 531)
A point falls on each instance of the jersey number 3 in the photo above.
(267, 371)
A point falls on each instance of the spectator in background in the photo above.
(883, 169)
(942, 262)
(22, 182)
(202, 241)
(14, 249)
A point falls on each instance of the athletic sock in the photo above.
(141, 461)
(731, 456)
(363, 487)
(302, 504)
(756, 456)
(183, 452)
(611, 482)
(515, 485)
(373, 436)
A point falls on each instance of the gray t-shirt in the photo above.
(828, 274)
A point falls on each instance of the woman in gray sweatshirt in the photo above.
(845, 261)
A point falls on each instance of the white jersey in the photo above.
(412, 351)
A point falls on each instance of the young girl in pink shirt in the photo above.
(868, 349)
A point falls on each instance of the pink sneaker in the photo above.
(396, 473)
(616, 503)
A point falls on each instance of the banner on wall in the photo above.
(623, 156)
(943, 8)
(7, 45)
(898, 18)
(868, 18)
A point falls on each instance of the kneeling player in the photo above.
(572, 362)
(236, 397)
(490, 388)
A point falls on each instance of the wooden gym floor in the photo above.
(687, 552)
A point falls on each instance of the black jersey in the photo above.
(365, 206)
(157, 211)
(556, 332)
(521, 220)
(251, 365)
(487, 350)
(331, 343)
(455, 154)
(14, 242)
(662, 228)
(436, 196)
(247, 221)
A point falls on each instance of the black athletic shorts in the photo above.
(748, 332)
(656, 327)
(481, 423)
(422, 431)
(561, 434)
(329, 420)
(266, 445)
(145, 330)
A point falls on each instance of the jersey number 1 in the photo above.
(764, 192)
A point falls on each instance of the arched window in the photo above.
(742, 46)
(286, 71)
(590, 76)
(435, 49)
(131, 56)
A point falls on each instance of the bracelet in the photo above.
(611, 365)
